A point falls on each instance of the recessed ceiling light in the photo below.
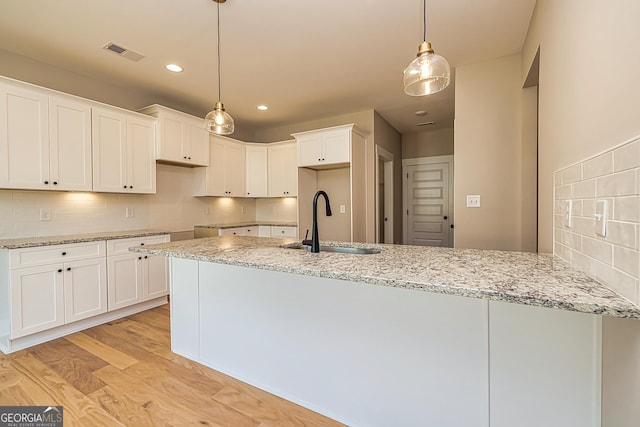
(421, 113)
(263, 107)
(174, 67)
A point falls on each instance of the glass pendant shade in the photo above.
(427, 74)
(219, 121)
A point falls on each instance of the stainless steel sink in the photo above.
(337, 249)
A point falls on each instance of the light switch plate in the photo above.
(343, 209)
(568, 213)
(601, 218)
(473, 201)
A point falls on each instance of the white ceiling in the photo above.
(305, 59)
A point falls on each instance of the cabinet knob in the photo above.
(55, 182)
(64, 253)
(131, 186)
(145, 257)
(189, 158)
(68, 268)
(59, 270)
(139, 257)
(142, 244)
(323, 159)
(46, 182)
(282, 231)
(184, 157)
(124, 186)
(445, 217)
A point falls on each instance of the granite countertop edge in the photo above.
(32, 242)
(248, 224)
(268, 255)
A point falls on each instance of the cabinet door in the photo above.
(336, 146)
(85, 289)
(214, 174)
(278, 168)
(256, 168)
(310, 150)
(24, 138)
(197, 142)
(171, 138)
(125, 280)
(292, 170)
(37, 299)
(109, 151)
(157, 283)
(235, 169)
(70, 144)
(141, 164)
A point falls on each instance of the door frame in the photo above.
(387, 158)
(405, 207)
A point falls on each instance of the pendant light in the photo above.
(428, 73)
(219, 121)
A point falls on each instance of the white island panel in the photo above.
(364, 355)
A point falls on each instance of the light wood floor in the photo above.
(124, 373)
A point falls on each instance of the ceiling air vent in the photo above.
(425, 123)
(123, 51)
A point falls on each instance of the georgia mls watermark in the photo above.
(30, 416)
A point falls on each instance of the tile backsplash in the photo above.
(608, 184)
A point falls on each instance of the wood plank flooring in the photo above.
(123, 373)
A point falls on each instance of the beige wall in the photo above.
(487, 143)
(390, 139)
(428, 143)
(589, 89)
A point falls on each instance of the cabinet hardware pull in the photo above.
(46, 182)
(445, 217)
(131, 186)
(59, 270)
(55, 182)
(125, 186)
(141, 244)
(139, 257)
(145, 257)
(64, 253)
(68, 268)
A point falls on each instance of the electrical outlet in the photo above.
(129, 212)
(473, 201)
(206, 210)
(241, 209)
(45, 214)
(343, 209)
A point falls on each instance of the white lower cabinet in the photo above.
(68, 284)
(133, 277)
(50, 291)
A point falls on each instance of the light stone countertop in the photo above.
(516, 277)
(31, 242)
(248, 224)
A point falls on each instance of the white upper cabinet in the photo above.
(24, 138)
(70, 144)
(256, 168)
(123, 160)
(181, 139)
(45, 140)
(283, 170)
(324, 147)
(225, 175)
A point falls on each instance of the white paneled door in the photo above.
(428, 200)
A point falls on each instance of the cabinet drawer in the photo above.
(284, 231)
(236, 231)
(43, 255)
(121, 246)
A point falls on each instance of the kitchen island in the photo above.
(409, 336)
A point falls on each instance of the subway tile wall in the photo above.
(614, 177)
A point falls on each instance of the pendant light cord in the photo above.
(219, 77)
(424, 22)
